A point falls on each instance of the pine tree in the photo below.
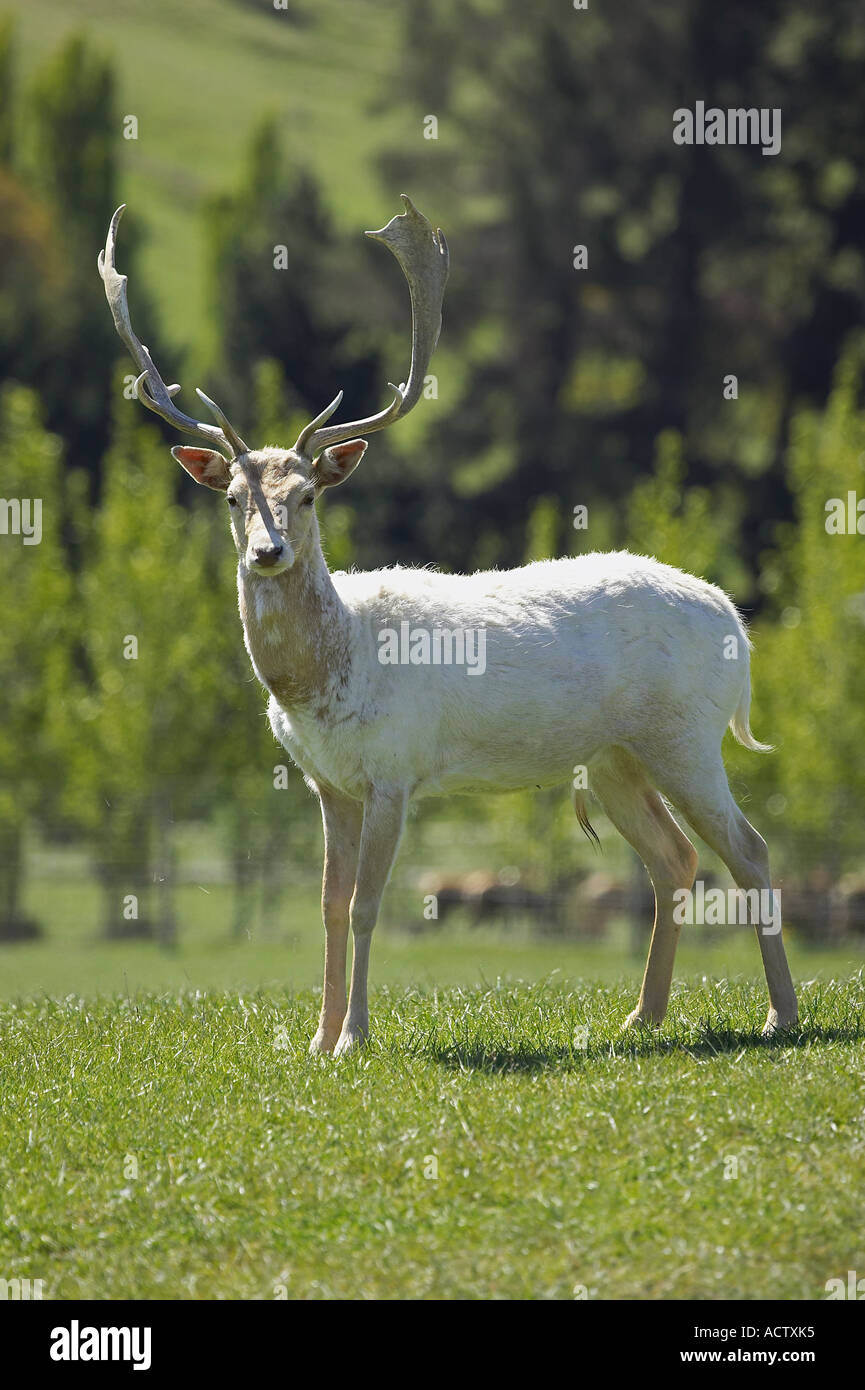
(75, 133)
(275, 286)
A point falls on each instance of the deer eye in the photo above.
(307, 501)
(232, 501)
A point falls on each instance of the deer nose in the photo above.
(267, 555)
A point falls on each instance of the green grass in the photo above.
(182, 1144)
(261, 1170)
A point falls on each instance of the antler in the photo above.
(155, 394)
(424, 257)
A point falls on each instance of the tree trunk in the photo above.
(165, 872)
(14, 926)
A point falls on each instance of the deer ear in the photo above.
(206, 466)
(333, 465)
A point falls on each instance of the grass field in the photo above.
(163, 1132)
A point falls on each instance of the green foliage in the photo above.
(150, 611)
(556, 387)
(54, 208)
(7, 90)
(542, 531)
(701, 261)
(35, 634)
(32, 282)
(677, 525)
(811, 676)
(72, 107)
(271, 279)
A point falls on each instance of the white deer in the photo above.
(610, 661)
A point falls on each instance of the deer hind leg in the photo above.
(640, 815)
(342, 827)
(704, 798)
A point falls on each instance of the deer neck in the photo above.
(297, 632)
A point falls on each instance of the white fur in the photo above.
(580, 654)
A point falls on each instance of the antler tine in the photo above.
(309, 430)
(228, 429)
(424, 257)
(150, 389)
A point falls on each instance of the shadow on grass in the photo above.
(711, 1042)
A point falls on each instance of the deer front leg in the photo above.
(383, 821)
(342, 828)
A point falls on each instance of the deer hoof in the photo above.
(350, 1039)
(776, 1023)
(640, 1020)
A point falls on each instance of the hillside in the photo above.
(198, 76)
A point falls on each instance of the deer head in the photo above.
(271, 492)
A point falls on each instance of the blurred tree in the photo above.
(543, 530)
(35, 638)
(810, 678)
(32, 282)
(286, 289)
(683, 526)
(75, 134)
(32, 278)
(76, 131)
(149, 590)
(7, 89)
(275, 281)
(699, 261)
